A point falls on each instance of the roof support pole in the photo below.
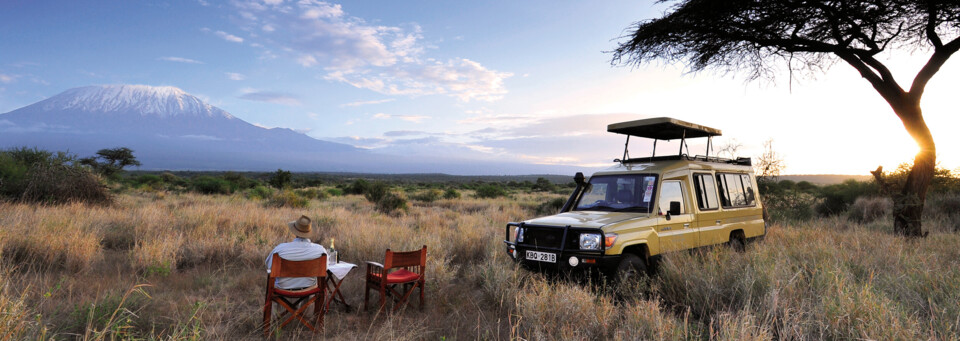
(626, 146)
(709, 145)
(654, 149)
(683, 140)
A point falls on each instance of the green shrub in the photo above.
(376, 191)
(148, 179)
(287, 198)
(334, 192)
(359, 186)
(280, 179)
(451, 193)
(34, 175)
(490, 191)
(259, 192)
(551, 207)
(429, 195)
(789, 206)
(210, 185)
(835, 199)
(543, 185)
(391, 202)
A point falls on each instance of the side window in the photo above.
(748, 190)
(671, 191)
(724, 194)
(706, 191)
(736, 190)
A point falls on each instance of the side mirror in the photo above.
(674, 207)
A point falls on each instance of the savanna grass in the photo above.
(203, 256)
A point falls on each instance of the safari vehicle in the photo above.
(624, 217)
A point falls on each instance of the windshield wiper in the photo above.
(632, 209)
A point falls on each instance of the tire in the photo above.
(737, 242)
(631, 267)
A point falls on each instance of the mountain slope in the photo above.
(170, 129)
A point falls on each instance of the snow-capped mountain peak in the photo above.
(145, 100)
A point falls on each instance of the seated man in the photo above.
(299, 249)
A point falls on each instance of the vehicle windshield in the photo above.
(619, 193)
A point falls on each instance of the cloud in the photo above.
(461, 78)
(386, 59)
(7, 78)
(360, 142)
(202, 137)
(224, 35)
(235, 76)
(270, 97)
(408, 118)
(401, 133)
(180, 60)
(357, 104)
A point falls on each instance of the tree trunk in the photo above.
(908, 204)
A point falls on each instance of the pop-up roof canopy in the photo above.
(662, 128)
(666, 128)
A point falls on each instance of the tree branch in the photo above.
(891, 92)
(931, 29)
(939, 57)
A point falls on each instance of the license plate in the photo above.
(542, 256)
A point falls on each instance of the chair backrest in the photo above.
(406, 259)
(305, 268)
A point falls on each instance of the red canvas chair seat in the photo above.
(315, 295)
(399, 276)
(409, 274)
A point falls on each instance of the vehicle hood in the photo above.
(592, 219)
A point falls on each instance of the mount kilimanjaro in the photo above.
(170, 129)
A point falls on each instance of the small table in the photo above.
(336, 273)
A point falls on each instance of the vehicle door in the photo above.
(675, 219)
(739, 206)
(709, 217)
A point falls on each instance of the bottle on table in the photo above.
(333, 256)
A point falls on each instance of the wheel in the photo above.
(631, 267)
(737, 242)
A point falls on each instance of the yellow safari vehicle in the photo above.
(622, 218)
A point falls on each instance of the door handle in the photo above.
(718, 222)
(686, 226)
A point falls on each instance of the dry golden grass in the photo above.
(67, 269)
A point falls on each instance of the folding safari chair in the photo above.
(404, 269)
(304, 298)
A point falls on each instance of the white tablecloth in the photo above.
(341, 269)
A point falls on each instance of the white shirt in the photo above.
(299, 249)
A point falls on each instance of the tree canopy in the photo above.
(113, 160)
(760, 37)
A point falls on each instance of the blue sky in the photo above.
(498, 80)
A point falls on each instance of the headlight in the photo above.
(519, 235)
(589, 241)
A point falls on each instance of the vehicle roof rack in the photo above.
(740, 161)
(667, 128)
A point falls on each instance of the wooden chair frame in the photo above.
(381, 278)
(317, 296)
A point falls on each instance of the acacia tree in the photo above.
(114, 160)
(758, 36)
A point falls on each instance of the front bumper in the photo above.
(562, 241)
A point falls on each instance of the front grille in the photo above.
(543, 237)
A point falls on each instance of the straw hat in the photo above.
(301, 227)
